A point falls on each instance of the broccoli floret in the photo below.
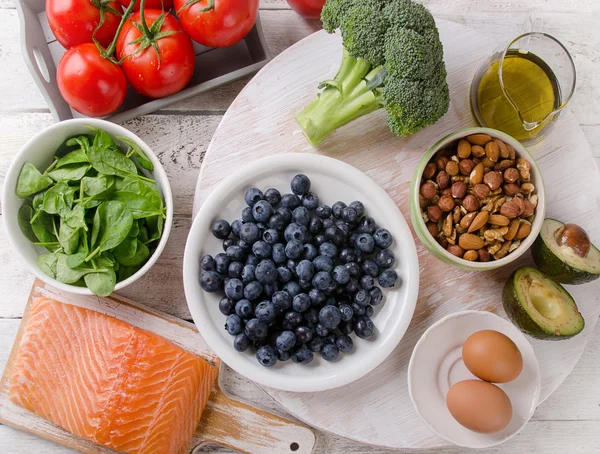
(392, 59)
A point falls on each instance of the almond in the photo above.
(504, 153)
(524, 231)
(464, 149)
(479, 139)
(511, 152)
(492, 151)
(471, 256)
(513, 228)
(469, 241)
(498, 219)
(478, 151)
(467, 219)
(480, 221)
(477, 174)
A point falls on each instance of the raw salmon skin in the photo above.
(109, 382)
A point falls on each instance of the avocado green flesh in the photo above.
(560, 262)
(541, 307)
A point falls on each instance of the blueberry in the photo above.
(346, 327)
(317, 297)
(362, 298)
(332, 287)
(296, 232)
(252, 260)
(303, 334)
(311, 316)
(376, 296)
(369, 310)
(385, 258)
(292, 288)
(265, 311)
(330, 338)
(364, 327)
(283, 356)
(271, 236)
(294, 249)
(341, 274)
(309, 252)
(262, 211)
(346, 312)
(330, 352)
(337, 208)
(241, 342)
(234, 289)
(302, 356)
(278, 253)
(244, 308)
(322, 280)
(301, 302)
(273, 196)
(271, 288)
(233, 324)
(265, 272)
(285, 341)
(248, 274)
(315, 225)
(293, 318)
(323, 263)
(345, 228)
(256, 329)
(352, 240)
(253, 290)
(236, 226)
(284, 274)
(236, 269)
(321, 331)
(323, 211)
(305, 270)
(359, 310)
(222, 263)
(210, 281)
(353, 268)
(316, 344)
(247, 215)
(207, 263)
(261, 228)
(388, 278)
(290, 201)
(327, 223)
(330, 317)
(352, 286)
(252, 196)
(244, 246)
(300, 184)
(383, 238)
(349, 214)
(226, 306)
(320, 239)
(236, 253)
(367, 225)
(344, 343)
(359, 207)
(328, 249)
(267, 355)
(367, 282)
(301, 216)
(277, 222)
(282, 301)
(250, 232)
(335, 235)
(258, 343)
(262, 249)
(310, 201)
(365, 243)
(228, 242)
(221, 229)
(286, 213)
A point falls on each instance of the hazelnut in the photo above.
(443, 179)
(481, 191)
(441, 162)
(459, 189)
(446, 203)
(470, 203)
(464, 149)
(433, 228)
(484, 255)
(492, 151)
(478, 151)
(428, 190)
(493, 180)
(452, 168)
(429, 171)
(471, 255)
(466, 166)
(456, 250)
(511, 175)
(434, 213)
(528, 208)
(503, 148)
(447, 191)
(511, 189)
(476, 160)
(510, 209)
(574, 237)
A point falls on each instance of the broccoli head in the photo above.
(392, 59)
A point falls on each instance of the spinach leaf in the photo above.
(111, 162)
(112, 223)
(74, 157)
(143, 236)
(47, 263)
(97, 186)
(135, 229)
(141, 206)
(31, 181)
(68, 275)
(68, 237)
(73, 172)
(78, 258)
(101, 283)
(127, 249)
(139, 154)
(82, 141)
(155, 227)
(44, 228)
(102, 139)
(24, 217)
(141, 254)
(125, 272)
(59, 199)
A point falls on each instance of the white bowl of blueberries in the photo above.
(301, 273)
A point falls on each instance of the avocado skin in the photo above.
(519, 316)
(553, 267)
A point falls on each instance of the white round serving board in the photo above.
(260, 122)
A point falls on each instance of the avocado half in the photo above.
(560, 262)
(540, 307)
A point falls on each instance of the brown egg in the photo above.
(479, 406)
(492, 356)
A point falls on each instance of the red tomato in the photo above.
(224, 24)
(144, 72)
(309, 9)
(92, 85)
(150, 4)
(73, 22)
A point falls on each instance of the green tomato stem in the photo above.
(111, 49)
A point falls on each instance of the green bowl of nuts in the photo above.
(477, 199)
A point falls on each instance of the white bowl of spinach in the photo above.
(88, 206)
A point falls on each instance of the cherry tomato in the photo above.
(73, 21)
(224, 24)
(309, 9)
(91, 84)
(150, 4)
(145, 72)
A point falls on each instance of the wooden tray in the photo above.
(377, 408)
(225, 421)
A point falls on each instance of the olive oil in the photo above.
(532, 86)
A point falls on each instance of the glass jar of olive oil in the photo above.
(522, 87)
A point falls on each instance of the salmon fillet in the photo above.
(109, 382)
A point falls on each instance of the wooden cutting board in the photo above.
(225, 421)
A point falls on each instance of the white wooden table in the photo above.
(568, 422)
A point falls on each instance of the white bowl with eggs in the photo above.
(437, 364)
